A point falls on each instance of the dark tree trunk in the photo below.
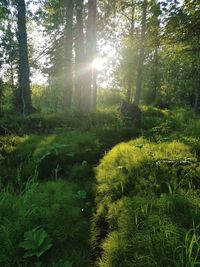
(68, 46)
(141, 55)
(24, 98)
(197, 71)
(156, 82)
(197, 98)
(156, 78)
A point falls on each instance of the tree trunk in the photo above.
(197, 91)
(129, 91)
(24, 71)
(156, 83)
(91, 52)
(68, 46)
(80, 71)
(156, 25)
(132, 20)
(141, 55)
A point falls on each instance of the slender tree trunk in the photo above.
(132, 30)
(25, 105)
(79, 59)
(141, 55)
(128, 92)
(68, 46)
(197, 91)
(197, 98)
(91, 52)
(11, 58)
(156, 79)
(132, 19)
(156, 82)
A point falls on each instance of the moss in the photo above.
(144, 195)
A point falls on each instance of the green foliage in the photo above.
(55, 208)
(147, 203)
(143, 232)
(45, 154)
(109, 98)
(130, 168)
(63, 264)
(36, 242)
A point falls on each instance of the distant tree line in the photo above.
(159, 53)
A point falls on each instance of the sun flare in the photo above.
(98, 63)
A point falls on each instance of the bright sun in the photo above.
(98, 63)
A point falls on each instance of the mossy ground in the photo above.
(141, 210)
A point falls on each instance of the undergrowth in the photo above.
(56, 207)
(146, 210)
(147, 201)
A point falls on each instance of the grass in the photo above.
(22, 156)
(146, 197)
(57, 207)
(146, 190)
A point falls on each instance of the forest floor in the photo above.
(95, 190)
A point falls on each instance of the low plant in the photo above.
(36, 242)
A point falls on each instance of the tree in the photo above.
(153, 43)
(182, 31)
(8, 42)
(80, 58)
(68, 46)
(141, 54)
(91, 52)
(85, 83)
(24, 92)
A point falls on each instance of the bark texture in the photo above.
(24, 98)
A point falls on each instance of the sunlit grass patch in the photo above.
(144, 233)
(140, 166)
(146, 202)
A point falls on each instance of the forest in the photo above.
(100, 133)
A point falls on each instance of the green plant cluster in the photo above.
(148, 204)
(45, 223)
(146, 210)
(41, 156)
